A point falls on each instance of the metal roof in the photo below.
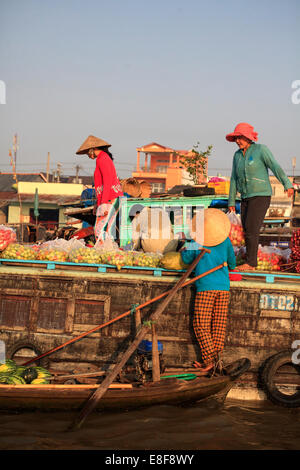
(7, 180)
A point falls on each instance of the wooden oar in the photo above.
(97, 395)
(119, 317)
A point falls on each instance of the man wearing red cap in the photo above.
(250, 178)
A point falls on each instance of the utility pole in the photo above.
(48, 167)
(294, 165)
(78, 167)
(58, 172)
(15, 149)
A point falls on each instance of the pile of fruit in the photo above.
(149, 260)
(117, 258)
(12, 374)
(268, 261)
(52, 255)
(85, 255)
(294, 260)
(17, 251)
(236, 235)
(7, 236)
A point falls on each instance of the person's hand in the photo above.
(290, 192)
(231, 208)
(102, 210)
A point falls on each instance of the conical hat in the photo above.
(91, 142)
(216, 227)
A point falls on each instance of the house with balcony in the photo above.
(160, 166)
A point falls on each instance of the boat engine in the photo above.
(143, 360)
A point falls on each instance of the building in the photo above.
(17, 195)
(53, 199)
(8, 189)
(161, 167)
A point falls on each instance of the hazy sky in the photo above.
(133, 72)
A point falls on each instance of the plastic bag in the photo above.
(85, 255)
(17, 251)
(7, 236)
(236, 234)
(149, 260)
(270, 258)
(117, 258)
(58, 249)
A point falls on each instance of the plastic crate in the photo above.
(220, 187)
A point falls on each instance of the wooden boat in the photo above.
(169, 390)
(42, 307)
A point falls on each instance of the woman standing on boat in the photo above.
(250, 178)
(107, 186)
(212, 296)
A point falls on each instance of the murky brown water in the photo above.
(208, 425)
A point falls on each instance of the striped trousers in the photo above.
(209, 322)
(105, 226)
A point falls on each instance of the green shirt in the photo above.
(250, 175)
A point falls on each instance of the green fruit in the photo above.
(12, 380)
(15, 380)
(19, 371)
(8, 367)
(39, 382)
(42, 373)
(3, 378)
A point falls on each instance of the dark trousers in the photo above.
(253, 211)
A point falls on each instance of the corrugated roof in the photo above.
(46, 198)
(7, 180)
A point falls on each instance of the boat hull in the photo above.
(170, 391)
(73, 397)
(47, 308)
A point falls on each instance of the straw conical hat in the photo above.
(216, 227)
(91, 142)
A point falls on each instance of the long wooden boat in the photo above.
(45, 305)
(168, 390)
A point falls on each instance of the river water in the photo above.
(204, 426)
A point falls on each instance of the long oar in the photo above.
(119, 317)
(97, 395)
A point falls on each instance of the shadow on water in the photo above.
(207, 425)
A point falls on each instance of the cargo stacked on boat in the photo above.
(12, 374)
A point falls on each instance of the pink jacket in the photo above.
(107, 184)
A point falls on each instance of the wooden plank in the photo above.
(69, 320)
(155, 356)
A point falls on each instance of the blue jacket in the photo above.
(218, 280)
(250, 175)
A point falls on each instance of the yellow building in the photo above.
(53, 199)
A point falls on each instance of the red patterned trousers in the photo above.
(209, 322)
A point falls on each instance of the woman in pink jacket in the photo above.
(107, 186)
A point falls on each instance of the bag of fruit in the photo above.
(149, 260)
(85, 255)
(18, 251)
(118, 258)
(270, 258)
(236, 234)
(7, 236)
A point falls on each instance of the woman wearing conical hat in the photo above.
(107, 186)
(210, 229)
(250, 178)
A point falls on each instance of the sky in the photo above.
(134, 72)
